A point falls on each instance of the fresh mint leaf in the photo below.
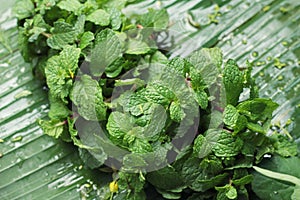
(284, 147)
(86, 94)
(201, 97)
(24, 9)
(243, 181)
(60, 70)
(176, 112)
(99, 17)
(73, 6)
(205, 182)
(179, 65)
(226, 192)
(257, 109)
(39, 27)
(136, 47)
(61, 34)
(116, 19)
(166, 178)
(233, 82)
(227, 145)
(158, 19)
(205, 69)
(86, 39)
(58, 109)
(53, 128)
(107, 50)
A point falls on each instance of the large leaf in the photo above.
(38, 167)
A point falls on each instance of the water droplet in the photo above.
(254, 53)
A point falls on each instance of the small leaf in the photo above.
(62, 34)
(73, 6)
(24, 9)
(52, 128)
(99, 17)
(86, 94)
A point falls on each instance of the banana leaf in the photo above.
(35, 166)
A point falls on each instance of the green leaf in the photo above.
(39, 27)
(257, 109)
(52, 128)
(201, 97)
(204, 182)
(296, 193)
(116, 20)
(205, 69)
(23, 9)
(227, 145)
(234, 120)
(243, 181)
(179, 65)
(58, 109)
(231, 116)
(73, 6)
(166, 178)
(99, 17)
(278, 175)
(60, 70)
(158, 19)
(176, 112)
(86, 39)
(233, 82)
(106, 51)
(136, 47)
(61, 34)
(284, 147)
(118, 125)
(86, 94)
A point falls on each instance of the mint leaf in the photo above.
(166, 178)
(86, 94)
(58, 109)
(86, 39)
(24, 9)
(107, 50)
(60, 70)
(61, 34)
(116, 20)
(158, 19)
(284, 147)
(70, 5)
(206, 65)
(53, 128)
(176, 112)
(203, 145)
(136, 47)
(227, 145)
(233, 82)
(257, 109)
(39, 27)
(179, 65)
(120, 124)
(99, 17)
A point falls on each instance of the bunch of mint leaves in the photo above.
(179, 126)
